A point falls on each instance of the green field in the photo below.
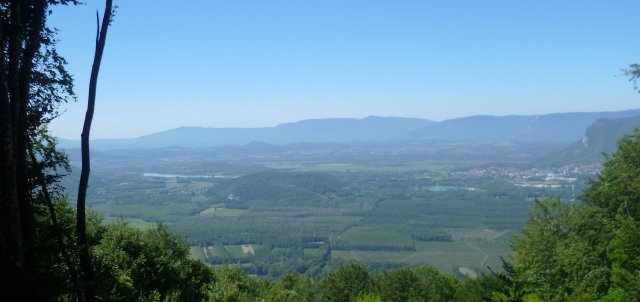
(478, 234)
(135, 222)
(379, 214)
(222, 212)
(313, 252)
(197, 252)
(447, 257)
(218, 251)
(243, 250)
(362, 238)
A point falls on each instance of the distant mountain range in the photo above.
(601, 137)
(559, 127)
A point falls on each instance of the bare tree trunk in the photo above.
(81, 226)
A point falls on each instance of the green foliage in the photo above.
(292, 288)
(507, 286)
(562, 252)
(624, 251)
(134, 264)
(345, 283)
(280, 189)
(438, 287)
(401, 285)
(369, 297)
(474, 290)
(232, 285)
(617, 188)
(373, 240)
(54, 278)
(589, 251)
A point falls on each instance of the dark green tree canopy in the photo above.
(617, 187)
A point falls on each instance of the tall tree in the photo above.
(26, 49)
(33, 83)
(81, 229)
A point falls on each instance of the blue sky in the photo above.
(260, 63)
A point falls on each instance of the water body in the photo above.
(448, 188)
(181, 176)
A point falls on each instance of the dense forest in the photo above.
(53, 251)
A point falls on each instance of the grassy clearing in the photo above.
(471, 254)
(279, 250)
(476, 234)
(332, 220)
(218, 251)
(230, 212)
(447, 257)
(359, 237)
(371, 256)
(201, 185)
(195, 185)
(134, 222)
(165, 212)
(313, 252)
(222, 212)
(243, 250)
(197, 253)
(236, 251)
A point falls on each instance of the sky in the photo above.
(238, 63)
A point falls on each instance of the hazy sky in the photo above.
(259, 63)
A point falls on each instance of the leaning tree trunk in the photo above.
(81, 223)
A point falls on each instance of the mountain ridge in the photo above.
(600, 138)
(555, 127)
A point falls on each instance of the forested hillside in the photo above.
(599, 139)
(278, 189)
(587, 251)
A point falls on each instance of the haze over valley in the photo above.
(383, 191)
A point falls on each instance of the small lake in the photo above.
(448, 188)
(181, 176)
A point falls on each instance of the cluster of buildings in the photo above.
(565, 173)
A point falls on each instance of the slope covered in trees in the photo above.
(587, 251)
(280, 189)
(601, 137)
